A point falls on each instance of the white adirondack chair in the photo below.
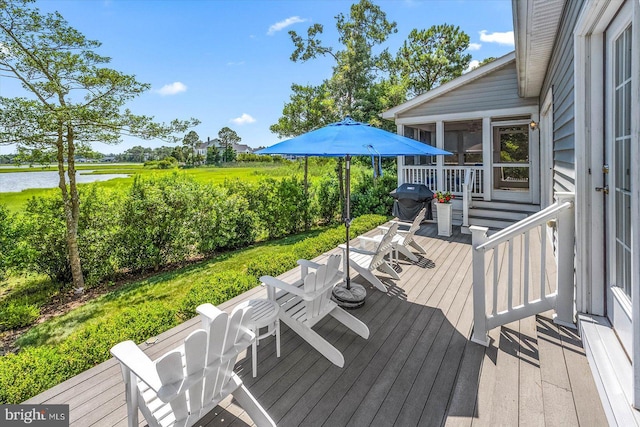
(366, 261)
(404, 238)
(307, 301)
(185, 384)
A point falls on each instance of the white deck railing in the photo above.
(561, 299)
(452, 178)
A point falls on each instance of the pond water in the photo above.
(17, 181)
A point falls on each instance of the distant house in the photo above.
(201, 149)
(242, 149)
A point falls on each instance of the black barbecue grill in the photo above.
(410, 199)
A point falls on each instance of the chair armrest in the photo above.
(134, 360)
(356, 249)
(362, 251)
(277, 283)
(308, 264)
(305, 265)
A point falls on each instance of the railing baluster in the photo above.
(543, 267)
(526, 268)
(494, 309)
(510, 277)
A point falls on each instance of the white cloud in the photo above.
(474, 46)
(172, 89)
(243, 119)
(505, 38)
(279, 26)
(473, 64)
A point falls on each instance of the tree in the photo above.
(229, 154)
(432, 57)
(356, 66)
(189, 142)
(213, 155)
(228, 137)
(309, 108)
(71, 100)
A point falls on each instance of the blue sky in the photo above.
(226, 62)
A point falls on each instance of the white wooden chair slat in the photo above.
(171, 374)
(186, 383)
(312, 302)
(366, 261)
(195, 360)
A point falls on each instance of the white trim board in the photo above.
(505, 112)
(611, 368)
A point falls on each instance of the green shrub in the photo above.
(215, 289)
(371, 195)
(9, 240)
(16, 314)
(327, 199)
(36, 369)
(43, 247)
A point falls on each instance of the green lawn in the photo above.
(164, 287)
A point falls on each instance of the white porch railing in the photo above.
(561, 299)
(452, 178)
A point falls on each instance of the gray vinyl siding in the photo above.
(497, 90)
(560, 76)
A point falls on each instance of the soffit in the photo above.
(535, 24)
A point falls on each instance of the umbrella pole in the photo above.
(349, 295)
(347, 214)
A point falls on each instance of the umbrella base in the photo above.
(349, 298)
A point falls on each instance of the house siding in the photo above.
(497, 90)
(560, 77)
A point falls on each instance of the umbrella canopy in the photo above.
(345, 139)
(352, 138)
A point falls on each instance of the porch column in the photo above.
(487, 150)
(400, 159)
(440, 159)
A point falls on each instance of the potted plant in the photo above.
(443, 207)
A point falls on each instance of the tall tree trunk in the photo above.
(71, 205)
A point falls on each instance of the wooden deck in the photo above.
(418, 367)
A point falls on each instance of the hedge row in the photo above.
(35, 369)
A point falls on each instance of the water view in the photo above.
(18, 181)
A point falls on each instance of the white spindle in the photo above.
(494, 310)
(526, 268)
(510, 277)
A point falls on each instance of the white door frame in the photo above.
(533, 195)
(589, 132)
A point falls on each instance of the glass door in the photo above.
(511, 162)
(618, 159)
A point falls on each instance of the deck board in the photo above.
(418, 366)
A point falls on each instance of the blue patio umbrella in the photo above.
(345, 139)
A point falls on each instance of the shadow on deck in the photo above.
(418, 366)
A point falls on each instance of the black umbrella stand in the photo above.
(348, 294)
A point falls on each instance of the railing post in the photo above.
(566, 250)
(465, 208)
(480, 334)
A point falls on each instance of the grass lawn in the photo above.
(169, 287)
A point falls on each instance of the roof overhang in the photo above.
(450, 85)
(535, 24)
